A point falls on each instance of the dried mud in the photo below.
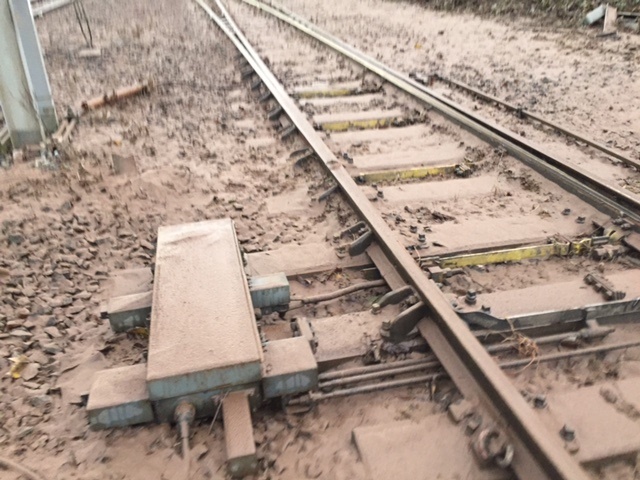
(203, 150)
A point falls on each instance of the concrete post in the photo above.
(25, 94)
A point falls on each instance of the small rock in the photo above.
(11, 324)
(199, 451)
(39, 357)
(23, 312)
(608, 394)
(61, 301)
(23, 432)
(146, 245)
(53, 332)
(75, 309)
(29, 292)
(15, 239)
(83, 295)
(73, 332)
(40, 401)
(20, 333)
(51, 348)
(23, 301)
(30, 371)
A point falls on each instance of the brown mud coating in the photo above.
(204, 150)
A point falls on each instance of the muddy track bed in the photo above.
(497, 237)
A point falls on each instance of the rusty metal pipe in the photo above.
(521, 362)
(324, 297)
(550, 357)
(24, 471)
(380, 374)
(373, 368)
(184, 414)
(405, 382)
(117, 95)
(425, 362)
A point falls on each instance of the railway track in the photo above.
(358, 130)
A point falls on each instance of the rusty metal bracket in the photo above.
(392, 298)
(604, 286)
(257, 84)
(327, 193)
(400, 328)
(247, 72)
(303, 157)
(287, 132)
(266, 96)
(360, 245)
(357, 228)
(275, 113)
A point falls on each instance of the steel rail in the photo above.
(539, 454)
(599, 194)
(537, 118)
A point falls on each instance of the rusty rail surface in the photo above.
(539, 454)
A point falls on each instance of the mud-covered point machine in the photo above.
(205, 350)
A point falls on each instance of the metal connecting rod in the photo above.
(25, 93)
(538, 453)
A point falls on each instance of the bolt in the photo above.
(580, 219)
(422, 238)
(540, 401)
(485, 308)
(471, 298)
(386, 325)
(375, 308)
(413, 229)
(566, 211)
(380, 194)
(473, 423)
(568, 433)
(184, 412)
(504, 459)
